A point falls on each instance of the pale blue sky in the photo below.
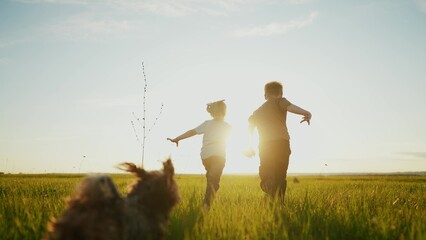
(71, 76)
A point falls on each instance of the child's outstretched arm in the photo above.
(298, 110)
(187, 134)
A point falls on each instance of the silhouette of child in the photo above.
(274, 140)
(213, 151)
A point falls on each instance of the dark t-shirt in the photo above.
(270, 120)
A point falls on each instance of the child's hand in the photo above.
(307, 118)
(174, 140)
(249, 153)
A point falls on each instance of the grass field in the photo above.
(347, 207)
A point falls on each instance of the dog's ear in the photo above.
(132, 168)
(168, 169)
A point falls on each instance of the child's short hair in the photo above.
(274, 88)
(217, 109)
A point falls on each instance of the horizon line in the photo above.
(408, 173)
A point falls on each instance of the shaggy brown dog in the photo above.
(97, 211)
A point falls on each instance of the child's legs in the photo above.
(266, 170)
(214, 167)
(281, 170)
(274, 159)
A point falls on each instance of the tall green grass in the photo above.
(361, 207)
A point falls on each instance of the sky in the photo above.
(72, 82)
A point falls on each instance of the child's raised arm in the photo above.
(298, 110)
(187, 134)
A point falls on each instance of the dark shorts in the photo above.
(214, 167)
(274, 158)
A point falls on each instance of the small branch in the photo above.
(156, 119)
(137, 119)
(142, 123)
(136, 133)
(144, 112)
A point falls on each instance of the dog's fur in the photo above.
(97, 211)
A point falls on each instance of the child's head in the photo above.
(273, 89)
(217, 109)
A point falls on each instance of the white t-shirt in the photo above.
(215, 133)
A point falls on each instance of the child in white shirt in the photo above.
(213, 152)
